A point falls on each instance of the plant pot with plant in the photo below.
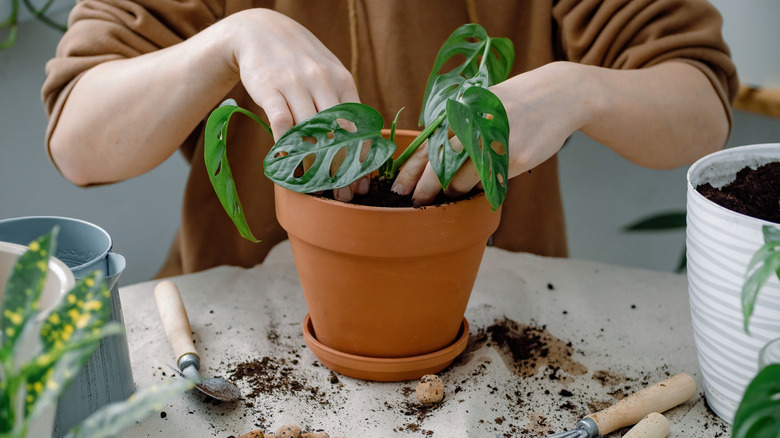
(387, 287)
(731, 256)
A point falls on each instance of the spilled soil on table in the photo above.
(544, 366)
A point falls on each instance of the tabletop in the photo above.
(551, 341)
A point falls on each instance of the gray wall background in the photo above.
(602, 192)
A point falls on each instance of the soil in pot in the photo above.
(380, 195)
(754, 192)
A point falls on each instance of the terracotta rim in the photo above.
(385, 369)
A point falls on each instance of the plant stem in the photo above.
(485, 55)
(40, 14)
(398, 162)
(412, 148)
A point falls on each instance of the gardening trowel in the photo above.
(177, 327)
(657, 398)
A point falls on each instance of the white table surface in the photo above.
(624, 327)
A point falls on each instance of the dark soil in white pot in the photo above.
(754, 192)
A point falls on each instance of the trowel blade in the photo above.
(218, 387)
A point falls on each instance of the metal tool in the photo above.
(660, 397)
(177, 328)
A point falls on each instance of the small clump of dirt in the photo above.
(609, 378)
(754, 192)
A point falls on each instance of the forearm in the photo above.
(660, 117)
(125, 117)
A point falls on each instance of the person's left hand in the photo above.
(544, 108)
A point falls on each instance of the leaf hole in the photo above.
(304, 165)
(338, 160)
(498, 148)
(347, 125)
(308, 139)
(365, 147)
(453, 62)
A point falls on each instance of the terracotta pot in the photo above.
(720, 244)
(386, 283)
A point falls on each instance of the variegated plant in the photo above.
(764, 264)
(321, 153)
(62, 340)
(758, 415)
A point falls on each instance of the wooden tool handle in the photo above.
(657, 398)
(654, 425)
(174, 318)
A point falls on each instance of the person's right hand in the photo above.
(288, 72)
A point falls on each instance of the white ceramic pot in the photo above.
(720, 243)
(58, 282)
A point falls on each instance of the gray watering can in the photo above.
(84, 247)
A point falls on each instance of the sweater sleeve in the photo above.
(631, 34)
(105, 30)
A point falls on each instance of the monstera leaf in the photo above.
(321, 154)
(765, 262)
(215, 156)
(480, 123)
(472, 42)
(758, 415)
(444, 159)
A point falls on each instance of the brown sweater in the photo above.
(398, 41)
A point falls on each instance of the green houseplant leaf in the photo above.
(23, 290)
(659, 222)
(480, 123)
(338, 156)
(758, 415)
(20, 304)
(765, 262)
(444, 159)
(215, 156)
(472, 42)
(69, 336)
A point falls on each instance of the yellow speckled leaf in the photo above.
(23, 290)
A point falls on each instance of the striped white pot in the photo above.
(720, 243)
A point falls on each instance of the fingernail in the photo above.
(343, 194)
(363, 186)
(397, 188)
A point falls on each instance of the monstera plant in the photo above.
(304, 159)
(62, 341)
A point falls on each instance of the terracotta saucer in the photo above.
(385, 369)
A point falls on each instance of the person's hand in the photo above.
(540, 105)
(289, 73)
